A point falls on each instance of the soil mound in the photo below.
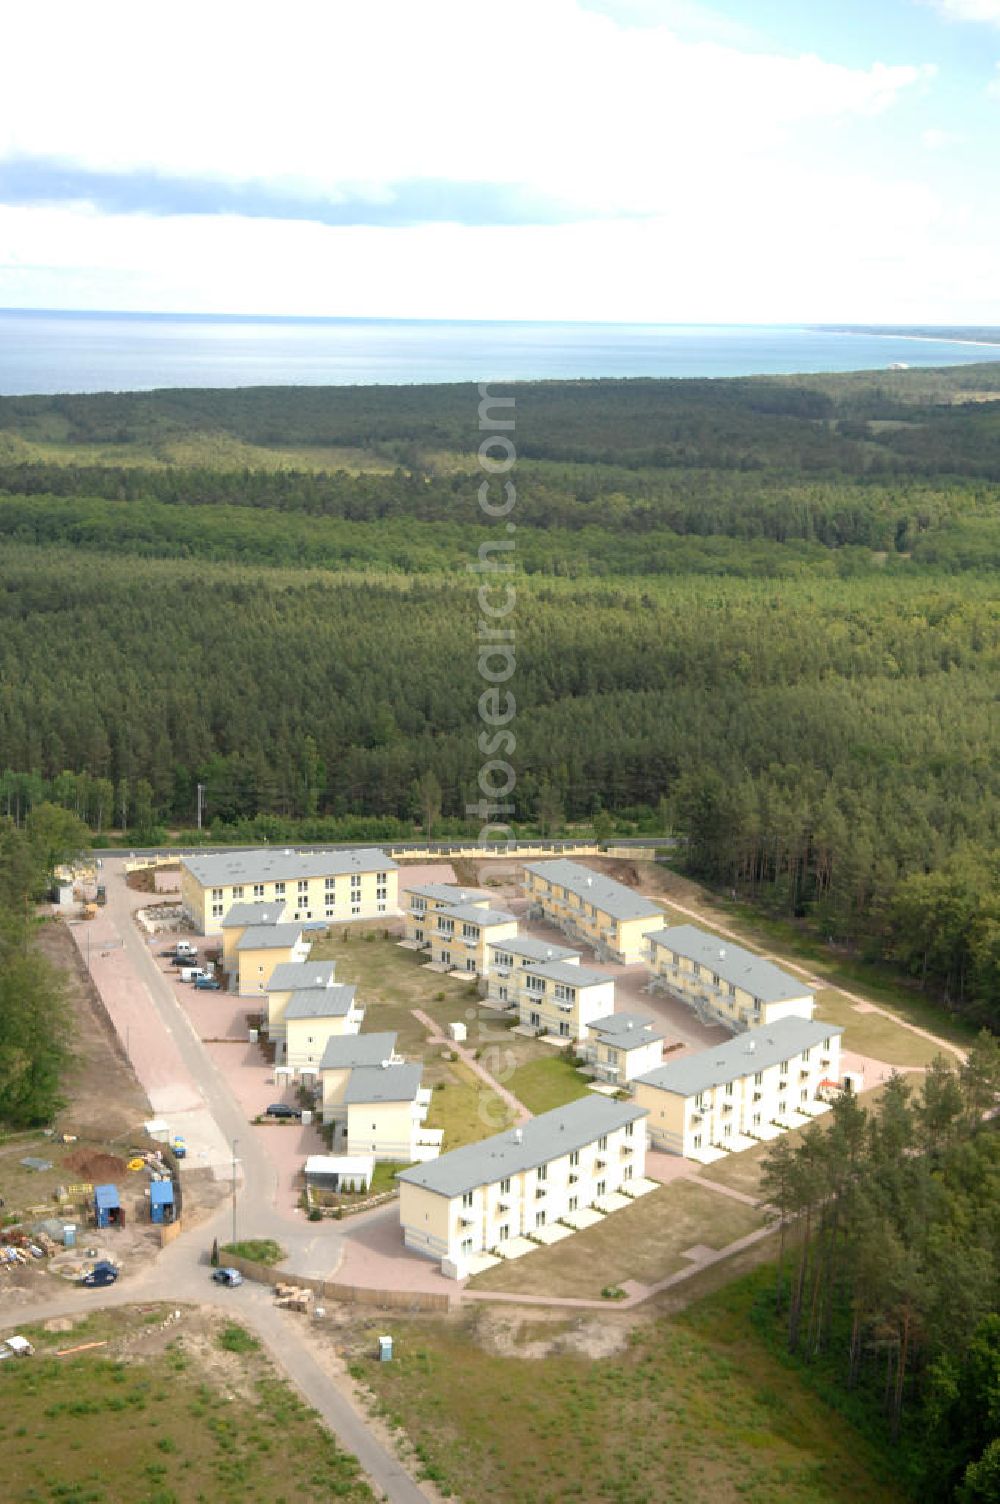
(96, 1166)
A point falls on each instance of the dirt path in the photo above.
(468, 1058)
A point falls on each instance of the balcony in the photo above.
(627, 1151)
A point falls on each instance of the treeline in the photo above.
(35, 1027)
(889, 1270)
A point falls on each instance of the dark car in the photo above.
(282, 1110)
(102, 1273)
(227, 1276)
(207, 984)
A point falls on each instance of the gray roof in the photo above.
(294, 976)
(566, 971)
(383, 1083)
(593, 887)
(269, 937)
(468, 914)
(626, 1031)
(533, 949)
(320, 1002)
(263, 864)
(732, 963)
(448, 892)
(740, 1056)
(252, 913)
(540, 1140)
(346, 1051)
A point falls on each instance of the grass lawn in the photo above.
(162, 1417)
(258, 1250)
(872, 1034)
(465, 1107)
(391, 982)
(643, 1242)
(693, 1406)
(547, 1081)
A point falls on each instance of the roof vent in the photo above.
(518, 1136)
(590, 882)
(722, 953)
(751, 1046)
(385, 1065)
(288, 851)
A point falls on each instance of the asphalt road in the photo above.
(181, 1271)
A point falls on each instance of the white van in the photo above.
(192, 973)
(185, 948)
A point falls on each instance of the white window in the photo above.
(303, 885)
(258, 890)
(697, 1141)
(542, 1172)
(279, 890)
(727, 1130)
(217, 911)
(381, 893)
(355, 880)
(573, 1202)
(539, 1219)
(381, 877)
(627, 1173)
(758, 1079)
(466, 1245)
(805, 1054)
(782, 1108)
(505, 1187)
(574, 1158)
(355, 908)
(756, 1119)
(601, 1187)
(381, 908)
(504, 1231)
(602, 1142)
(729, 1088)
(467, 1198)
(563, 1029)
(238, 891)
(502, 994)
(783, 1068)
(629, 1130)
(217, 894)
(804, 1094)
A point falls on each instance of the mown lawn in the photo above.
(465, 1107)
(694, 1406)
(153, 1418)
(546, 1082)
(643, 1242)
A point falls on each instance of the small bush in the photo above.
(236, 1339)
(259, 1250)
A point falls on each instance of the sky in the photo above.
(745, 161)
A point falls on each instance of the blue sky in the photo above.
(652, 160)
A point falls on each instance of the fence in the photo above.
(399, 1300)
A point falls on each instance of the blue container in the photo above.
(69, 1235)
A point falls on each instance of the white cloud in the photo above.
(968, 10)
(934, 139)
(341, 98)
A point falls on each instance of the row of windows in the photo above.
(256, 890)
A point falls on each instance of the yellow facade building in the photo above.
(424, 901)
(313, 886)
(289, 978)
(244, 916)
(741, 1092)
(524, 1181)
(562, 998)
(312, 1019)
(385, 1109)
(342, 1055)
(723, 982)
(261, 948)
(459, 936)
(622, 1046)
(592, 909)
(505, 957)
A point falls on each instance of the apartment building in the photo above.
(423, 902)
(562, 997)
(312, 1019)
(385, 1110)
(723, 982)
(343, 1054)
(593, 909)
(742, 1091)
(622, 1046)
(240, 918)
(478, 1198)
(504, 957)
(314, 886)
(290, 977)
(261, 948)
(459, 936)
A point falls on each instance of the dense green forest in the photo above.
(889, 1276)
(758, 613)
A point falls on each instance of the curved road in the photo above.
(181, 1271)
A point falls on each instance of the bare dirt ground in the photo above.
(104, 1099)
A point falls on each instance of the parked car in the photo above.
(195, 973)
(227, 1276)
(102, 1273)
(185, 948)
(282, 1110)
(207, 984)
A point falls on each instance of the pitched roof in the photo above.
(567, 972)
(383, 1083)
(242, 914)
(540, 1140)
(740, 967)
(603, 892)
(533, 949)
(745, 1053)
(626, 1031)
(261, 864)
(294, 976)
(320, 1002)
(269, 937)
(345, 1051)
(468, 914)
(449, 892)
